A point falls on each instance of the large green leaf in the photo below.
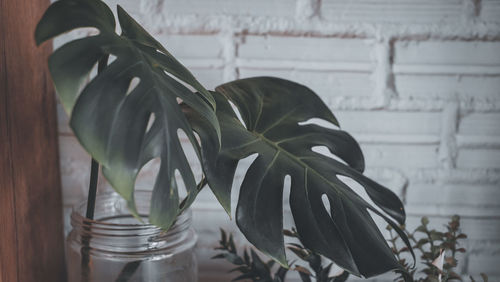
(110, 116)
(272, 109)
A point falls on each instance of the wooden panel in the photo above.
(31, 239)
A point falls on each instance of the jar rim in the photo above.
(111, 233)
(78, 218)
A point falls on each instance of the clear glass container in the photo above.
(117, 247)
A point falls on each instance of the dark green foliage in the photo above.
(315, 262)
(250, 266)
(123, 126)
(431, 243)
(109, 119)
(272, 110)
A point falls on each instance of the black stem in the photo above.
(94, 173)
(94, 166)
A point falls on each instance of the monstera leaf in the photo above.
(121, 124)
(271, 110)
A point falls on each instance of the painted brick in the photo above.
(480, 124)
(133, 7)
(284, 8)
(75, 170)
(328, 85)
(210, 78)
(490, 10)
(479, 130)
(448, 199)
(402, 157)
(305, 49)
(130, 6)
(391, 178)
(331, 67)
(62, 120)
(456, 53)
(484, 263)
(407, 11)
(478, 158)
(431, 86)
(188, 46)
(385, 122)
(449, 70)
(445, 71)
(205, 63)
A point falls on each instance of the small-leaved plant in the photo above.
(438, 252)
(438, 257)
(252, 267)
(248, 264)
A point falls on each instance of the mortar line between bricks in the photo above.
(448, 146)
(263, 25)
(228, 39)
(471, 10)
(382, 75)
(307, 9)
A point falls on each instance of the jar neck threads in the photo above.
(115, 230)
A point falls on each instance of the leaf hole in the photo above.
(151, 121)
(181, 186)
(325, 151)
(237, 112)
(189, 87)
(161, 52)
(287, 184)
(111, 58)
(355, 186)
(326, 204)
(358, 189)
(74, 34)
(133, 84)
(147, 175)
(319, 121)
(197, 137)
(190, 153)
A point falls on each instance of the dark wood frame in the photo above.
(31, 233)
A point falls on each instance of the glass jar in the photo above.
(117, 247)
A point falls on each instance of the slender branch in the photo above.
(393, 241)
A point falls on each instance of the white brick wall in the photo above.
(416, 82)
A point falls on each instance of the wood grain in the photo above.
(31, 239)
